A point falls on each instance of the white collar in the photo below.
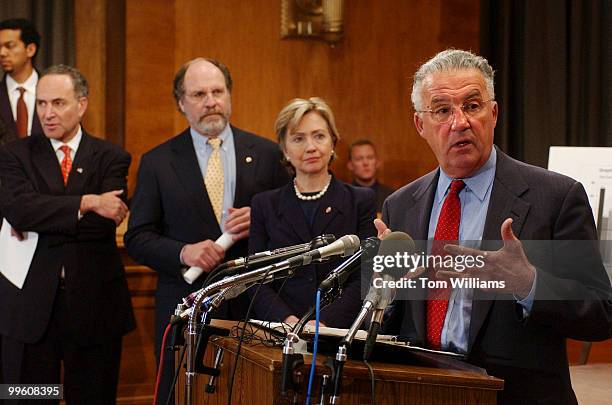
(73, 143)
(29, 84)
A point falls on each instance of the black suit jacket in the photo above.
(171, 208)
(8, 127)
(278, 221)
(33, 198)
(528, 353)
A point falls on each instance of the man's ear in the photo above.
(83, 102)
(181, 107)
(418, 123)
(31, 50)
(350, 166)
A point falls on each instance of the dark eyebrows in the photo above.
(39, 100)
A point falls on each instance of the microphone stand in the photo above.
(222, 288)
(331, 289)
(341, 354)
(347, 243)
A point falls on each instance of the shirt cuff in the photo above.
(527, 302)
(181, 255)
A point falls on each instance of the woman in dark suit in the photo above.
(315, 203)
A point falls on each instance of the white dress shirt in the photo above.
(29, 96)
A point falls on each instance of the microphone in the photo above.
(280, 253)
(341, 273)
(345, 246)
(381, 298)
(233, 267)
(261, 258)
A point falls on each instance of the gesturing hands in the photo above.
(509, 264)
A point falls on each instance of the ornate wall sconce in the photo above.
(313, 19)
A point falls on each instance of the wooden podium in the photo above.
(258, 376)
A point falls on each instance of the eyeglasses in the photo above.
(444, 113)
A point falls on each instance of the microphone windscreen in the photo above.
(394, 244)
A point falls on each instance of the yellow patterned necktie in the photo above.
(214, 178)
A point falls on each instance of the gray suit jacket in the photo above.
(528, 353)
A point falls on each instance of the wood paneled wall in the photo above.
(138, 45)
(366, 78)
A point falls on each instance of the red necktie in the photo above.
(66, 164)
(22, 115)
(447, 230)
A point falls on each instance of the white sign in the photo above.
(593, 168)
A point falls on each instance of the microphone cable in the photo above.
(372, 382)
(230, 387)
(314, 347)
(180, 363)
(160, 366)
(178, 369)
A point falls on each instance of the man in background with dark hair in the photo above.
(19, 44)
(74, 305)
(363, 164)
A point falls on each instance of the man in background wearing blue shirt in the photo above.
(479, 194)
(195, 187)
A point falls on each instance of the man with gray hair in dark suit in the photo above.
(516, 330)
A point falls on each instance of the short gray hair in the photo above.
(448, 60)
(81, 88)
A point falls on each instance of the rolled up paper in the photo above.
(192, 273)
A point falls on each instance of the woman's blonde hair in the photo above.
(291, 115)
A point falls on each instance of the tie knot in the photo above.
(21, 90)
(456, 186)
(215, 143)
(65, 149)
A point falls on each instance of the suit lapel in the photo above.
(291, 215)
(333, 204)
(45, 161)
(505, 202)
(187, 169)
(420, 211)
(82, 166)
(246, 163)
(5, 108)
(36, 125)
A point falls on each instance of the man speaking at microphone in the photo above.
(479, 193)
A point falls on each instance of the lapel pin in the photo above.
(248, 159)
(327, 210)
(80, 170)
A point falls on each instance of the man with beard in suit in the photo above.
(195, 187)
